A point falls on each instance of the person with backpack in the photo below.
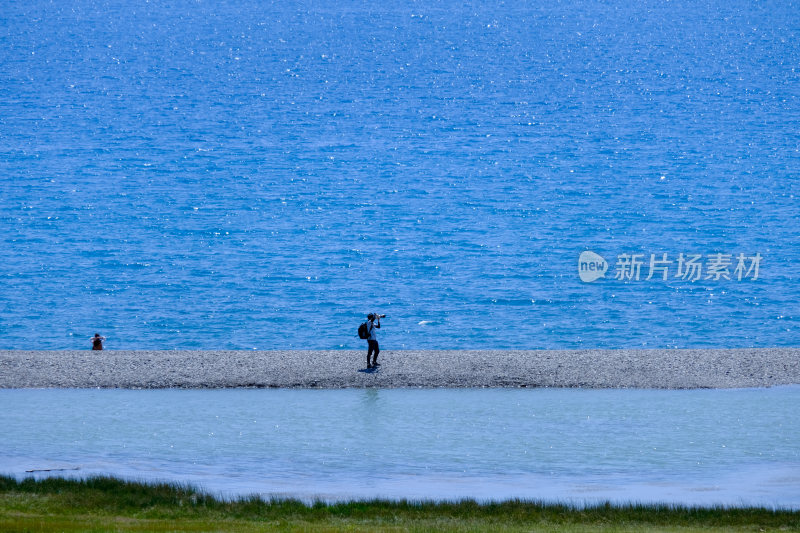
(373, 323)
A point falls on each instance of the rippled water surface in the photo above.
(700, 447)
(255, 174)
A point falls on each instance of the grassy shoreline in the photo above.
(108, 504)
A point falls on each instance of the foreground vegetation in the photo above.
(107, 504)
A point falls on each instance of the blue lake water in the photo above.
(700, 447)
(256, 174)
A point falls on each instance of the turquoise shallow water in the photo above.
(262, 174)
(700, 447)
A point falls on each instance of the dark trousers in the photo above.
(373, 350)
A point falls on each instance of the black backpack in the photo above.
(363, 331)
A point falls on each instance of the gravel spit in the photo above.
(334, 369)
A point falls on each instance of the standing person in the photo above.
(97, 342)
(372, 340)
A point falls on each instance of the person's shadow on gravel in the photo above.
(368, 370)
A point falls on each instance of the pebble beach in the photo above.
(660, 369)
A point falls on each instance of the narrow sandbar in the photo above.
(662, 369)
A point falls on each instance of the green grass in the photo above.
(107, 504)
